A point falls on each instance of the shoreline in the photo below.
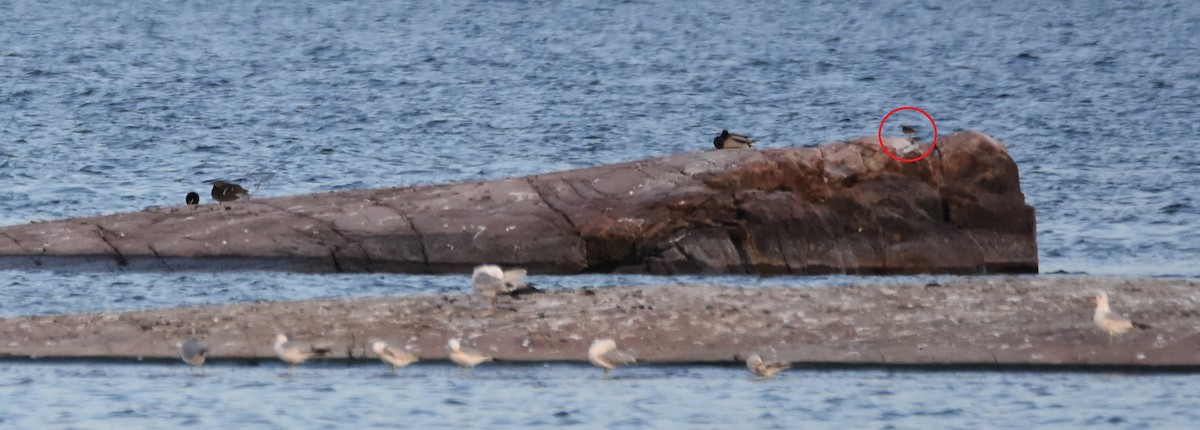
(320, 363)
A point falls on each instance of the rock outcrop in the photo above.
(983, 321)
(844, 207)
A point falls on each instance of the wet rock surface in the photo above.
(983, 321)
(844, 207)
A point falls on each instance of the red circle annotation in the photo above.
(933, 144)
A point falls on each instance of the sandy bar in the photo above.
(1044, 320)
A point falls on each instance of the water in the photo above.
(35, 293)
(566, 395)
(109, 108)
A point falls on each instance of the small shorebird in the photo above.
(227, 191)
(193, 353)
(295, 352)
(764, 369)
(192, 198)
(729, 140)
(464, 356)
(394, 357)
(489, 281)
(910, 131)
(604, 353)
(1110, 321)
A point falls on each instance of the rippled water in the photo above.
(33, 293)
(567, 395)
(116, 106)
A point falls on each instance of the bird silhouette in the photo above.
(227, 191)
(729, 140)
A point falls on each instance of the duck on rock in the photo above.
(729, 140)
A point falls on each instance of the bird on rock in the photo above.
(729, 140)
(1111, 322)
(489, 280)
(227, 191)
(192, 198)
(910, 131)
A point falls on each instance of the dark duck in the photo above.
(227, 191)
(910, 132)
(729, 140)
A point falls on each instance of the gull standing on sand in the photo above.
(764, 369)
(193, 353)
(604, 353)
(1110, 321)
(295, 352)
(464, 356)
(394, 357)
(489, 280)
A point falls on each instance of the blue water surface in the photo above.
(436, 395)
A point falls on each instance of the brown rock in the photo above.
(840, 208)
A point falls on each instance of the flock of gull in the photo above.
(491, 281)
(487, 281)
